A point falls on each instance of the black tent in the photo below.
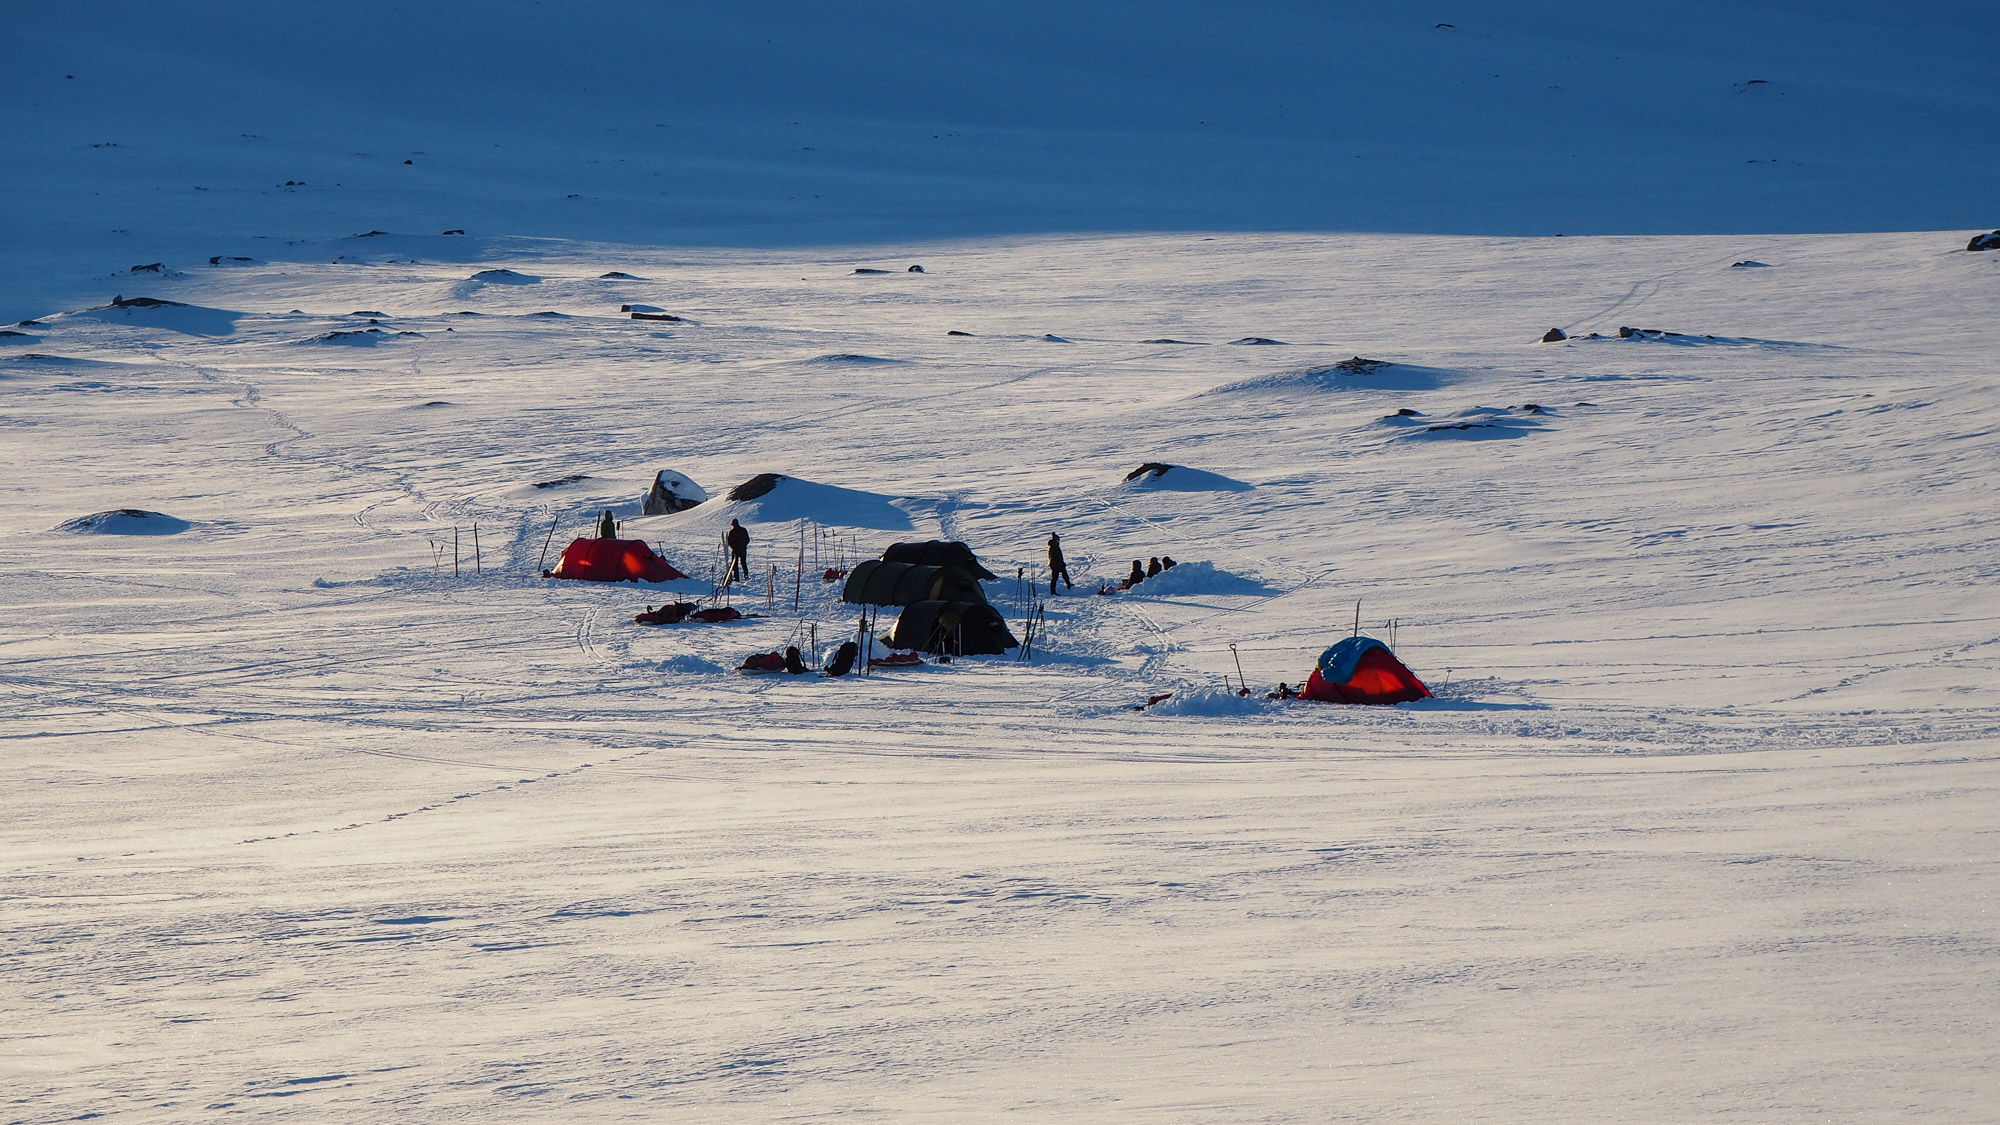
(939, 552)
(953, 628)
(898, 583)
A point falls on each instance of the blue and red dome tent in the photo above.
(1362, 670)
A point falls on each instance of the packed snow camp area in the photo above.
(1574, 695)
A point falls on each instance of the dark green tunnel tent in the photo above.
(939, 552)
(953, 628)
(899, 583)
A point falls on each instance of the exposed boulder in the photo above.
(671, 492)
(1554, 336)
(1984, 241)
(756, 486)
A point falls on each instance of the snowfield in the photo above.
(306, 825)
(328, 327)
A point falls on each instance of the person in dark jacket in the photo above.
(738, 540)
(1137, 576)
(607, 528)
(1152, 566)
(1058, 566)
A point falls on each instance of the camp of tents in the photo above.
(935, 586)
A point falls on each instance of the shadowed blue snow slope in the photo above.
(144, 132)
(126, 521)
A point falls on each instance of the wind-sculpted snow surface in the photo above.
(332, 808)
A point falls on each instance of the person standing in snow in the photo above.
(1058, 566)
(737, 538)
(607, 528)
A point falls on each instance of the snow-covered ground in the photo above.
(322, 804)
(1699, 826)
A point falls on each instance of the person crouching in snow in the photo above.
(607, 528)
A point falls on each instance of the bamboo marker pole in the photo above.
(1239, 670)
(1357, 617)
(454, 550)
(477, 568)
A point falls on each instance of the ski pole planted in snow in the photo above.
(550, 538)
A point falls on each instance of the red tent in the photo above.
(1362, 670)
(613, 560)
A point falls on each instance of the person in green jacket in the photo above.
(607, 528)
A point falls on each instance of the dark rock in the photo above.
(873, 271)
(916, 269)
(756, 486)
(143, 303)
(1256, 341)
(668, 317)
(221, 258)
(1359, 365)
(151, 267)
(1052, 338)
(560, 481)
(1984, 241)
(366, 312)
(1533, 408)
(454, 231)
(1748, 264)
(1156, 468)
(372, 234)
(409, 162)
(1554, 335)
(9, 333)
(956, 332)
(614, 275)
(1406, 412)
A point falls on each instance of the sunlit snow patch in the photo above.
(126, 521)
